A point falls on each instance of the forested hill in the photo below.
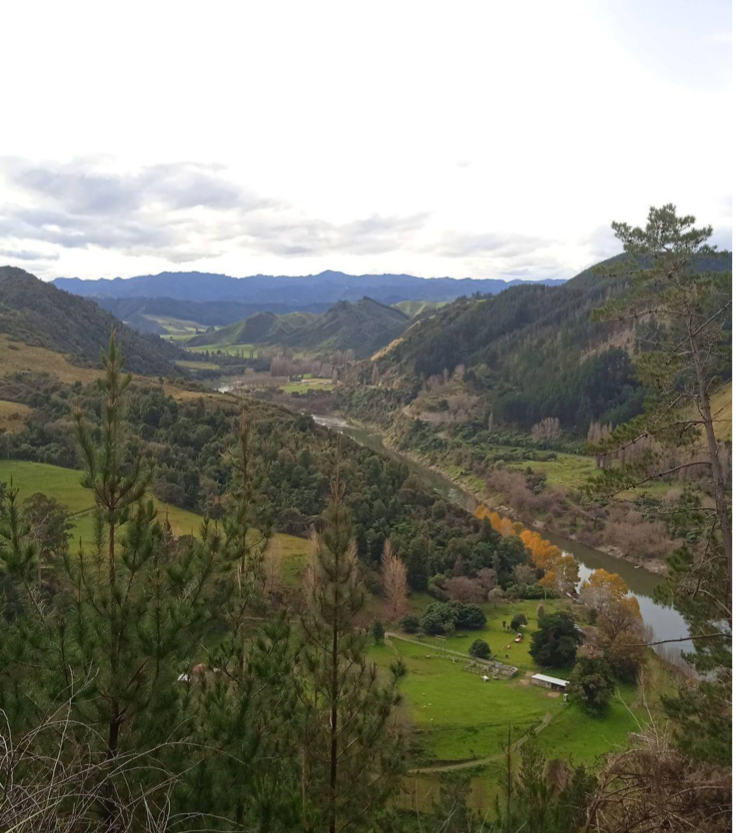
(526, 354)
(41, 315)
(259, 328)
(363, 327)
(294, 293)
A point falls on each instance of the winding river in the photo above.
(665, 622)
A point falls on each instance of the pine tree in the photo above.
(125, 621)
(352, 753)
(683, 317)
(248, 724)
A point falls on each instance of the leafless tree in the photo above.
(653, 786)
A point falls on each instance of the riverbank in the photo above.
(468, 486)
(665, 622)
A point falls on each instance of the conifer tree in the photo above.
(121, 633)
(248, 726)
(683, 318)
(352, 752)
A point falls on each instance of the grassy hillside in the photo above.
(17, 357)
(414, 308)
(41, 316)
(64, 486)
(259, 328)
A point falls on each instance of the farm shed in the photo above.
(553, 683)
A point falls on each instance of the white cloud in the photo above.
(487, 140)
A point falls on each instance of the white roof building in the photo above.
(548, 682)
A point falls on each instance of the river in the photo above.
(665, 622)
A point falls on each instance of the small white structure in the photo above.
(553, 683)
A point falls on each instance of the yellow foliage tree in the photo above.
(561, 569)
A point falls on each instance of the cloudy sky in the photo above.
(476, 139)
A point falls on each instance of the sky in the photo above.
(473, 139)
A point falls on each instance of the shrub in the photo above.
(410, 623)
(377, 631)
(480, 649)
(518, 620)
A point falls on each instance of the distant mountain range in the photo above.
(364, 327)
(285, 293)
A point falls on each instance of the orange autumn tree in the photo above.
(604, 589)
(561, 569)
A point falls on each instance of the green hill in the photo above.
(42, 316)
(529, 353)
(415, 308)
(259, 328)
(363, 327)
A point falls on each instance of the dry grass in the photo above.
(17, 357)
(12, 416)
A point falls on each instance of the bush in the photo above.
(480, 649)
(471, 617)
(518, 620)
(410, 623)
(442, 617)
(378, 632)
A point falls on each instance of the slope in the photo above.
(42, 316)
(530, 352)
(259, 328)
(363, 327)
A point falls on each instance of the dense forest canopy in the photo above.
(533, 351)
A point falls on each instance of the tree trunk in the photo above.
(717, 473)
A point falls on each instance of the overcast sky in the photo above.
(495, 139)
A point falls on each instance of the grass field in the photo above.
(176, 328)
(247, 351)
(64, 485)
(307, 385)
(460, 718)
(198, 365)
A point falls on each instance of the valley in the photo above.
(447, 469)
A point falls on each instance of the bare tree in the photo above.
(546, 430)
(394, 579)
(653, 786)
